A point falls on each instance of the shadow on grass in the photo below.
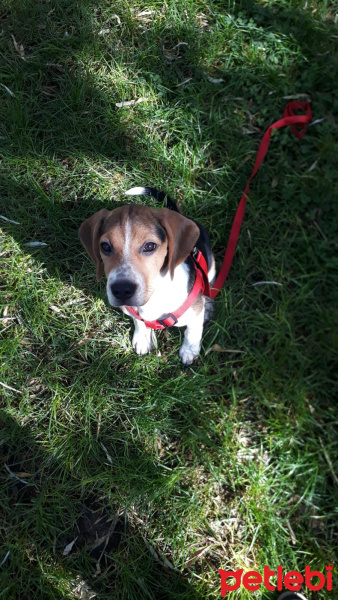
(108, 552)
(62, 118)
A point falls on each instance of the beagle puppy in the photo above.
(145, 254)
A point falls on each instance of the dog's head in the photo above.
(137, 244)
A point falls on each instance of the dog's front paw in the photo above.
(143, 342)
(188, 353)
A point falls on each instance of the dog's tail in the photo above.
(161, 197)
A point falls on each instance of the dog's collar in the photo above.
(201, 285)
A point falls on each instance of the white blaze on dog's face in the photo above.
(133, 248)
(137, 244)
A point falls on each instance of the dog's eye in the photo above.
(106, 247)
(149, 247)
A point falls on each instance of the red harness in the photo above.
(201, 284)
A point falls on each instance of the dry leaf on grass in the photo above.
(54, 308)
(197, 555)
(7, 90)
(313, 166)
(214, 80)
(158, 557)
(109, 458)
(131, 102)
(144, 16)
(117, 18)
(69, 547)
(146, 13)
(9, 220)
(184, 82)
(298, 97)
(15, 476)
(5, 558)
(8, 387)
(35, 244)
(18, 47)
(218, 348)
(265, 283)
(292, 535)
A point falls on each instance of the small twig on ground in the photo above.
(328, 460)
(8, 387)
(131, 102)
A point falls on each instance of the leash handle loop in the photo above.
(289, 118)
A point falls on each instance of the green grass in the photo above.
(236, 455)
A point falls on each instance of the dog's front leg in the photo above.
(191, 346)
(143, 340)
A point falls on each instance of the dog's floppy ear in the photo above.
(182, 234)
(89, 233)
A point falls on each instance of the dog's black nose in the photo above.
(123, 290)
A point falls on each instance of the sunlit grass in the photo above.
(232, 462)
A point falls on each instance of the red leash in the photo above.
(289, 118)
(201, 281)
